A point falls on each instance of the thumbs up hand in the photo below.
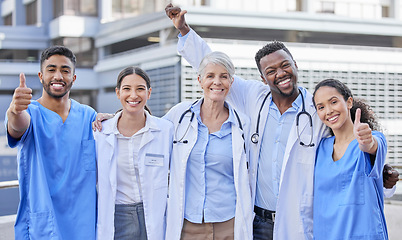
(21, 98)
(362, 132)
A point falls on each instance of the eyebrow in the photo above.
(285, 60)
(53, 66)
(139, 85)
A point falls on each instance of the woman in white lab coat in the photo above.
(209, 191)
(133, 153)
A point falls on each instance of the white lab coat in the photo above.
(154, 178)
(294, 212)
(180, 155)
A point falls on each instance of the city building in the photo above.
(356, 41)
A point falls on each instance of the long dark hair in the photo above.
(134, 70)
(367, 114)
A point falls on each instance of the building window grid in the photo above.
(383, 91)
(164, 89)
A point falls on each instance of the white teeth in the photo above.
(332, 118)
(284, 82)
(57, 85)
(133, 102)
(216, 90)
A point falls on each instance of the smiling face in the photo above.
(215, 81)
(279, 72)
(332, 109)
(133, 93)
(57, 76)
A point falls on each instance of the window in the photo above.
(31, 10)
(385, 11)
(83, 48)
(126, 8)
(327, 7)
(8, 20)
(75, 7)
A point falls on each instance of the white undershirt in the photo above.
(128, 181)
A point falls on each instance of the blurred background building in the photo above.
(356, 41)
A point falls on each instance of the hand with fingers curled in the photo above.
(177, 17)
(362, 132)
(390, 176)
(100, 117)
(21, 98)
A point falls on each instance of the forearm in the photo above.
(17, 123)
(184, 29)
(372, 147)
(193, 48)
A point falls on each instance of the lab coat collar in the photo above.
(110, 128)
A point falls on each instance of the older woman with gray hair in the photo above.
(209, 191)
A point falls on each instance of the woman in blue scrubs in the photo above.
(348, 185)
(133, 153)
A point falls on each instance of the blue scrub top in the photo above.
(348, 193)
(56, 173)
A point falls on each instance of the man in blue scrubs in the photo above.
(56, 154)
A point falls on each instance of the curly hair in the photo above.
(268, 49)
(367, 114)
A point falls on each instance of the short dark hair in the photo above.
(268, 49)
(57, 50)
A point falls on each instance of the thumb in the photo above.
(22, 80)
(357, 116)
(182, 13)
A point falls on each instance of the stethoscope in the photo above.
(185, 141)
(255, 136)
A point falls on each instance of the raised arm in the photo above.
(17, 117)
(193, 48)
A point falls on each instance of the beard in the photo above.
(290, 93)
(56, 95)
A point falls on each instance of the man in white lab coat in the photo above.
(286, 131)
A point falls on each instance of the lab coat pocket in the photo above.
(305, 155)
(88, 155)
(351, 187)
(156, 164)
(41, 226)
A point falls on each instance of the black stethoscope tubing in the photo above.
(191, 119)
(255, 136)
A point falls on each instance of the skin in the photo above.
(57, 77)
(279, 72)
(334, 112)
(178, 20)
(133, 95)
(391, 176)
(216, 83)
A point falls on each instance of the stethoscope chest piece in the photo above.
(255, 137)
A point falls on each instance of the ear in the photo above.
(295, 64)
(74, 77)
(349, 103)
(40, 75)
(149, 93)
(117, 92)
(263, 79)
(199, 80)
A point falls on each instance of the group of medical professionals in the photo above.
(249, 160)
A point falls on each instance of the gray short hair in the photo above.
(217, 58)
